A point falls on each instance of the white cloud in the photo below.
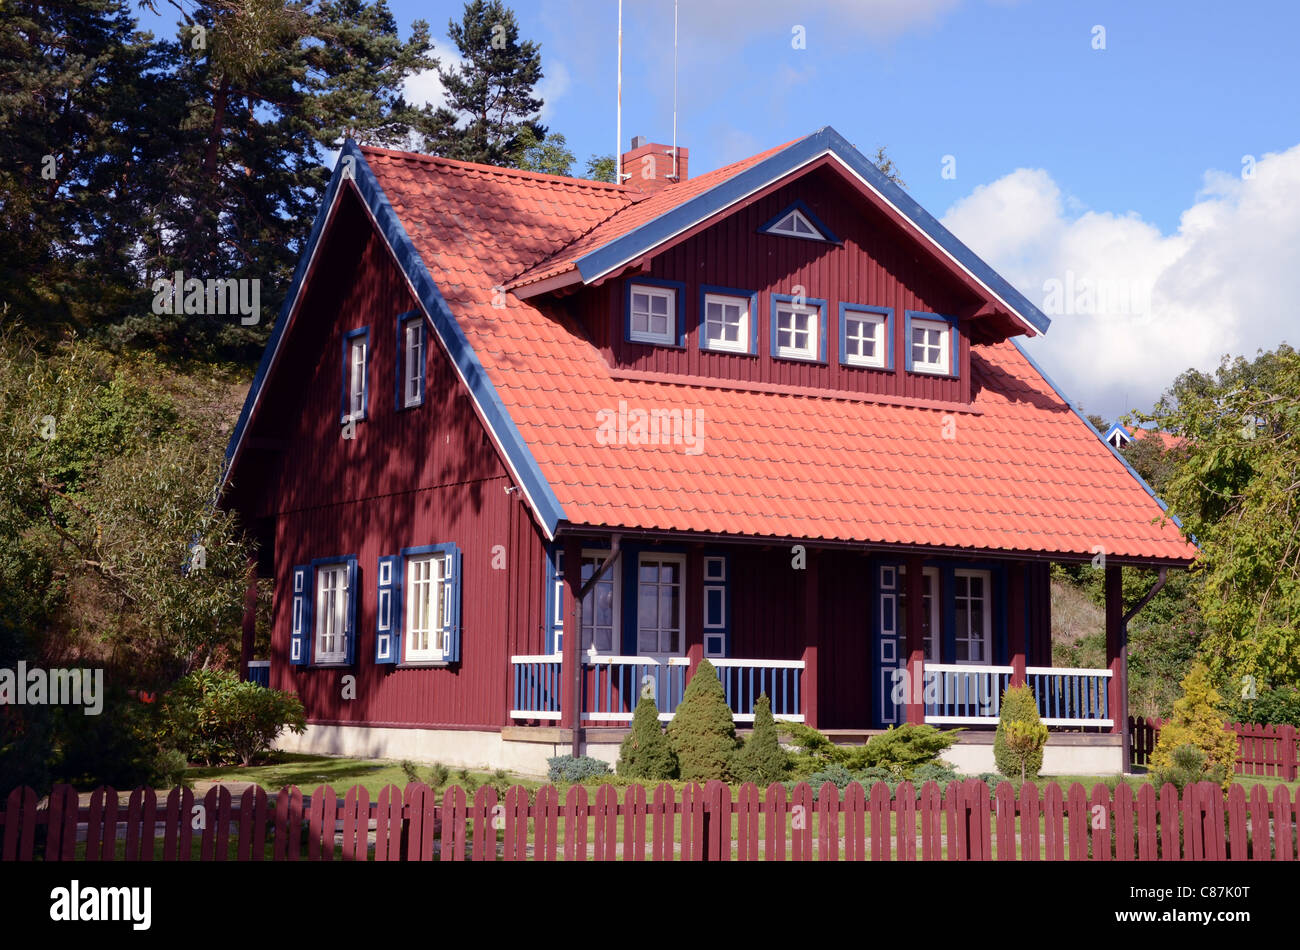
(1132, 307)
(553, 86)
(879, 19)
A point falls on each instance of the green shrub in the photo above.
(646, 753)
(1279, 705)
(575, 768)
(702, 732)
(118, 747)
(1187, 764)
(904, 749)
(761, 760)
(1026, 759)
(933, 772)
(214, 717)
(1197, 721)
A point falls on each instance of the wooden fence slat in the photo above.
(1005, 801)
(1101, 818)
(252, 824)
(776, 825)
(20, 825)
(856, 811)
(905, 797)
(931, 822)
(356, 824)
(546, 823)
(1079, 821)
(662, 813)
(455, 817)
(287, 835)
(748, 810)
(828, 822)
(718, 821)
(692, 812)
(485, 817)
(979, 836)
(634, 822)
(1123, 813)
(1261, 842)
(801, 823)
(1283, 825)
(575, 825)
(1054, 823)
(388, 824)
(1147, 815)
(606, 823)
(516, 824)
(1170, 849)
(1030, 811)
(1237, 847)
(61, 843)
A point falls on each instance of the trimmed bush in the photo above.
(1279, 705)
(646, 752)
(1197, 721)
(761, 760)
(903, 749)
(1024, 759)
(702, 732)
(575, 768)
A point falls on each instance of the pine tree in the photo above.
(490, 98)
(1022, 753)
(1198, 721)
(761, 760)
(646, 752)
(702, 732)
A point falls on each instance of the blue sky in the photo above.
(1121, 166)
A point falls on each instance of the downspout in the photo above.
(1129, 615)
(576, 690)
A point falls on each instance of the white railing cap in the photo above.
(1065, 671)
(965, 668)
(542, 658)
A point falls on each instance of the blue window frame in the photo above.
(930, 343)
(412, 360)
(653, 312)
(728, 320)
(798, 328)
(329, 621)
(356, 373)
(796, 220)
(866, 336)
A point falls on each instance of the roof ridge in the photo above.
(502, 170)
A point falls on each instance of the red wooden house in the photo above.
(521, 445)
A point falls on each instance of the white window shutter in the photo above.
(388, 616)
(300, 622)
(451, 618)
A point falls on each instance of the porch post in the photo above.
(250, 618)
(1117, 655)
(1017, 628)
(812, 638)
(694, 633)
(915, 645)
(572, 640)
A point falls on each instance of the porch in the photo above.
(952, 694)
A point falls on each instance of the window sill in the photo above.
(879, 369)
(657, 343)
(423, 664)
(815, 361)
(722, 352)
(932, 374)
(330, 665)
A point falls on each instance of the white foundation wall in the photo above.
(1064, 755)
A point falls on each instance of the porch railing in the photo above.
(612, 686)
(537, 686)
(965, 694)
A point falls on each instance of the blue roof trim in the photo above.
(642, 239)
(1116, 427)
(444, 323)
(1113, 451)
(827, 235)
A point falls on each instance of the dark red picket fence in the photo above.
(964, 822)
(1261, 750)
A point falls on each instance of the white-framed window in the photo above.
(652, 314)
(865, 339)
(428, 606)
(331, 613)
(600, 608)
(794, 223)
(727, 323)
(413, 362)
(794, 330)
(929, 605)
(972, 598)
(356, 348)
(661, 613)
(929, 346)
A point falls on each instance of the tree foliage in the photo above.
(1020, 737)
(1198, 721)
(1238, 494)
(646, 752)
(761, 760)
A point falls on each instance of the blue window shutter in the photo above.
(352, 612)
(717, 606)
(451, 628)
(300, 623)
(388, 614)
(554, 625)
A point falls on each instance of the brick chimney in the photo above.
(648, 166)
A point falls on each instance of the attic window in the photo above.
(652, 312)
(798, 221)
(931, 344)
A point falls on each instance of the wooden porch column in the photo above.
(1017, 628)
(812, 638)
(1117, 653)
(694, 609)
(249, 637)
(572, 640)
(915, 644)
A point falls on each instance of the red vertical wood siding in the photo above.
(418, 476)
(876, 266)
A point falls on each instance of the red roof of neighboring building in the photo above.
(1168, 441)
(1021, 472)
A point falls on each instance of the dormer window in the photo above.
(866, 337)
(798, 328)
(931, 344)
(798, 221)
(727, 320)
(652, 313)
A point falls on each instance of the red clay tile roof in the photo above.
(1168, 440)
(1021, 472)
